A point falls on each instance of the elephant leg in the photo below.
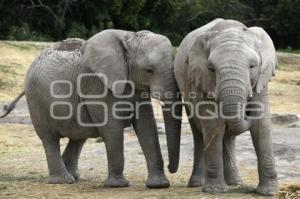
(144, 125)
(231, 172)
(198, 173)
(113, 136)
(262, 140)
(71, 156)
(213, 133)
(114, 143)
(58, 173)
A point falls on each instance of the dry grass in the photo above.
(290, 191)
(15, 58)
(285, 90)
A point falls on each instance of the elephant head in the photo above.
(145, 59)
(241, 61)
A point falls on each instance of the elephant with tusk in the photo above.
(87, 89)
(235, 63)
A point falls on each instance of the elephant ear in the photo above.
(198, 72)
(105, 54)
(268, 56)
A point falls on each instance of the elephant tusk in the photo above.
(162, 103)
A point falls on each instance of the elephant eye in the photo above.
(252, 66)
(212, 70)
(149, 71)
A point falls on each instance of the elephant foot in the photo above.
(75, 173)
(215, 188)
(157, 181)
(196, 181)
(234, 179)
(65, 178)
(73, 170)
(116, 181)
(267, 189)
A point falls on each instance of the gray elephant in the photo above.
(81, 90)
(227, 66)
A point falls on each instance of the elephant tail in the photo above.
(8, 108)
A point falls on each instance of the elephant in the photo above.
(88, 89)
(227, 66)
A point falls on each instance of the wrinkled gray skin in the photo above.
(235, 63)
(144, 58)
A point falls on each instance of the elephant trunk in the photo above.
(233, 93)
(172, 113)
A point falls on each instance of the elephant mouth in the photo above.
(238, 126)
(242, 121)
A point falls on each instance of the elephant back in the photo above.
(71, 44)
(58, 62)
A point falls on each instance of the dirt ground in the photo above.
(23, 168)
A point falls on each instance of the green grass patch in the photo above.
(4, 84)
(297, 51)
(288, 67)
(20, 46)
(9, 69)
(27, 46)
(12, 178)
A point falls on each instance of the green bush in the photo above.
(94, 31)
(77, 30)
(24, 33)
(174, 18)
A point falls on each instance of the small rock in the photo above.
(282, 119)
(294, 125)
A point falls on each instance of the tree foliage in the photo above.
(58, 19)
